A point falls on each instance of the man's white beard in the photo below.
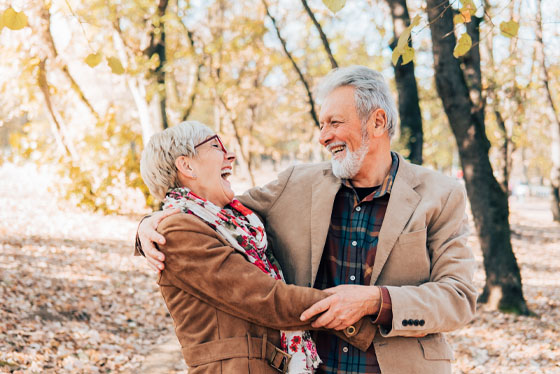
(350, 165)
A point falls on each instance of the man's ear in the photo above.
(183, 165)
(377, 122)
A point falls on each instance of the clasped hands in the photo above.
(345, 305)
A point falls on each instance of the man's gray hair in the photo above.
(157, 165)
(371, 92)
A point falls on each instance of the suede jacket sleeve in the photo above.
(200, 263)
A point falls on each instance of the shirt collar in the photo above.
(386, 186)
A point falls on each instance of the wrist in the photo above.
(375, 301)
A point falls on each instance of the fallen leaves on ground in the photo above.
(75, 300)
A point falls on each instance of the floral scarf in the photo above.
(245, 232)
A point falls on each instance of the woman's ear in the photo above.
(183, 165)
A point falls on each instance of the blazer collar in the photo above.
(402, 203)
(323, 193)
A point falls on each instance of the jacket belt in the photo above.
(224, 349)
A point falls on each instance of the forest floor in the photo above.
(73, 299)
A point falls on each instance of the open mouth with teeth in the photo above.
(337, 149)
(226, 173)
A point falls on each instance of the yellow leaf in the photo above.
(334, 5)
(93, 59)
(509, 29)
(408, 55)
(402, 47)
(403, 40)
(458, 19)
(154, 61)
(115, 65)
(395, 56)
(468, 6)
(14, 20)
(464, 45)
(466, 14)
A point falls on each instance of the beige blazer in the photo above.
(422, 256)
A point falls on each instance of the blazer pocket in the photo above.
(416, 237)
(435, 347)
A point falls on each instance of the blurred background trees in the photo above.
(85, 84)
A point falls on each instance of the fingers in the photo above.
(155, 264)
(330, 291)
(327, 320)
(313, 310)
(155, 237)
(151, 252)
(152, 265)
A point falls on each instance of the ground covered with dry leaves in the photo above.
(74, 300)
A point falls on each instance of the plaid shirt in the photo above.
(348, 258)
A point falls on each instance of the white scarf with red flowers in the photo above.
(245, 232)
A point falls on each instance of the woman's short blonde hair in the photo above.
(157, 165)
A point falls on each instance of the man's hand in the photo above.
(148, 236)
(346, 305)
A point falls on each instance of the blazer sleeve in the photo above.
(448, 300)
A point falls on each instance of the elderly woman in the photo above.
(221, 284)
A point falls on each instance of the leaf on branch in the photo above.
(509, 29)
(464, 45)
(408, 55)
(14, 20)
(466, 15)
(93, 59)
(402, 47)
(468, 9)
(458, 19)
(334, 5)
(115, 65)
(154, 61)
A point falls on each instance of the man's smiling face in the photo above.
(341, 132)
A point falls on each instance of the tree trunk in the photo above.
(137, 89)
(157, 47)
(489, 203)
(554, 117)
(409, 107)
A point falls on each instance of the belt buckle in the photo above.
(284, 362)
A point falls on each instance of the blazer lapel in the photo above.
(323, 193)
(402, 203)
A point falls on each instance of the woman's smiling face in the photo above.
(212, 166)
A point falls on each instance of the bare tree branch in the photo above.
(310, 100)
(46, 17)
(324, 39)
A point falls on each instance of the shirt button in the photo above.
(352, 277)
(358, 209)
(345, 349)
(354, 243)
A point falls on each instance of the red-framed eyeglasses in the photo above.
(212, 138)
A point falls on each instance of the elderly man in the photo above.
(391, 237)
